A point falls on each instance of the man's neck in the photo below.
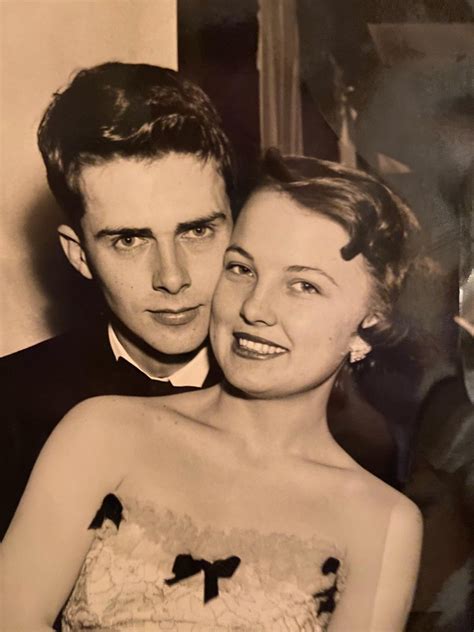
(151, 362)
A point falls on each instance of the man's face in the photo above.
(153, 237)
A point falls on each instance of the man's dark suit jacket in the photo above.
(41, 384)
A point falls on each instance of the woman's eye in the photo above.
(238, 269)
(305, 287)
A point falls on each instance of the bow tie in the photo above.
(185, 566)
(135, 382)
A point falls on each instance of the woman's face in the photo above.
(287, 306)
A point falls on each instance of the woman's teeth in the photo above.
(259, 347)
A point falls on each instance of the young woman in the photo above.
(233, 508)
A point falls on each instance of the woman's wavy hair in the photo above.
(381, 227)
(119, 110)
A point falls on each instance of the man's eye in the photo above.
(238, 269)
(127, 242)
(198, 232)
(304, 287)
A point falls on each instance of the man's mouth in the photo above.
(249, 346)
(175, 317)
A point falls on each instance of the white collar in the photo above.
(191, 374)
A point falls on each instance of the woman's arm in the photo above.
(382, 576)
(42, 552)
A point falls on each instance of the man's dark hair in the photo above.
(119, 110)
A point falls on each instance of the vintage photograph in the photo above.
(237, 324)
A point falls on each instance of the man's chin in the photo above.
(165, 344)
(175, 348)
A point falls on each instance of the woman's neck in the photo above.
(294, 425)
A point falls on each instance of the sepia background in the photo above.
(42, 44)
(384, 85)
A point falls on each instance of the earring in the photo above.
(359, 352)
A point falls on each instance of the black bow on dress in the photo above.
(185, 566)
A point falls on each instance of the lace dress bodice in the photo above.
(282, 583)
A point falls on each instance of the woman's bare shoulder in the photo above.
(98, 413)
(370, 501)
(125, 416)
(381, 531)
(109, 419)
(361, 489)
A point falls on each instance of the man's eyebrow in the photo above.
(241, 251)
(182, 227)
(311, 269)
(131, 231)
(123, 231)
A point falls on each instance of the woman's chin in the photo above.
(244, 384)
(249, 389)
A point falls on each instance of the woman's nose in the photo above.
(258, 307)
(170, 272)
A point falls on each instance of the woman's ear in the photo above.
(359, 347)
(370, 320)
(72, 247)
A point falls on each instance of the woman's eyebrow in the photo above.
(311, 269)
(240, 250)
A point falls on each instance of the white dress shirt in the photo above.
(191, 374)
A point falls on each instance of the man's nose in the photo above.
(258, 307)
(170, 273)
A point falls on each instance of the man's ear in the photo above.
(71, 245)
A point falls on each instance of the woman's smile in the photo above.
(256, 348)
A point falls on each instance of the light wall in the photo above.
(42, 44)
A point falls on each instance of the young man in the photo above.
(136, 157)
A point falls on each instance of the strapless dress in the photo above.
(154, 570)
